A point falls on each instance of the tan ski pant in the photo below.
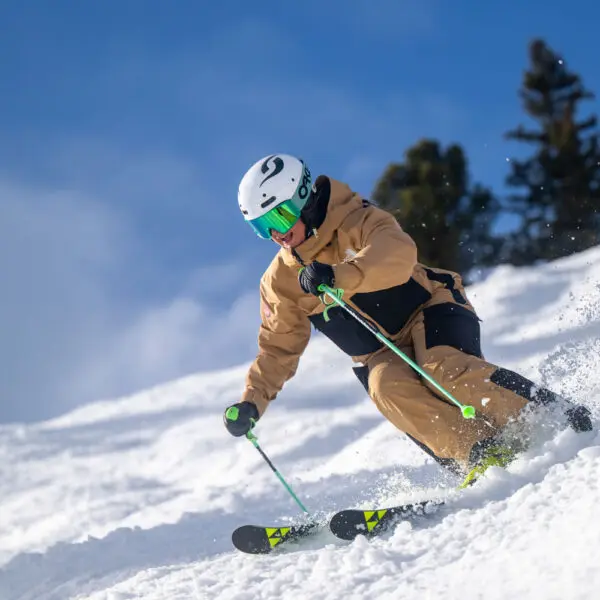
(416, 408)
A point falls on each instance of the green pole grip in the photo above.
(232, 413)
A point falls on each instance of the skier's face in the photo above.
(294, 237)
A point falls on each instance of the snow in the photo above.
(137, 497)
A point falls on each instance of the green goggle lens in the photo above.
(281, 218)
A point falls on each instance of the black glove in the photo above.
(240, 418)
(314, 275)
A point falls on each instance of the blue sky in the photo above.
(126, 126)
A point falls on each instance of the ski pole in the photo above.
(255, 443)
(468, 412)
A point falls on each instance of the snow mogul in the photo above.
(330, 236)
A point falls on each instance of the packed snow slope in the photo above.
(137, 497)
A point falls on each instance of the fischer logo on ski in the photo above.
(277, 535)
(350, 523)
(372, 518)
(254, 539)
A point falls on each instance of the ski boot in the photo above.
(486, 454)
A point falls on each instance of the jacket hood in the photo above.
(331, 203)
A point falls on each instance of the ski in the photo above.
(253, 539)
(345, 524)
(350, 523)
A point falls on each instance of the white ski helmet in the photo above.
(273, 192)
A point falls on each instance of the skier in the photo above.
(330, 235)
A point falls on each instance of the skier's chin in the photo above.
(288, 242)
(294, 237)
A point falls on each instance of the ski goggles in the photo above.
(281, 218)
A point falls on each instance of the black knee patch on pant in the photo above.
(513, 382)
(452, 325)
(362, 373)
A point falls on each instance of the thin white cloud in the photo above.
(171, 340)
(55, 252)
(70, 334)
(102, 166)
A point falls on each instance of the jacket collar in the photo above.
(341, 202)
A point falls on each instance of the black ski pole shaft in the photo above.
(286, 485)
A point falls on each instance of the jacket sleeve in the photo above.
(282, 338)
(386, 254)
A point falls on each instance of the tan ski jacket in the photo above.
(374, 262)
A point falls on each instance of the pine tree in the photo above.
(430, 197)
(561, 210)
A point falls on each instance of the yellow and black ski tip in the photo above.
(253, 539)
(348, 524)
